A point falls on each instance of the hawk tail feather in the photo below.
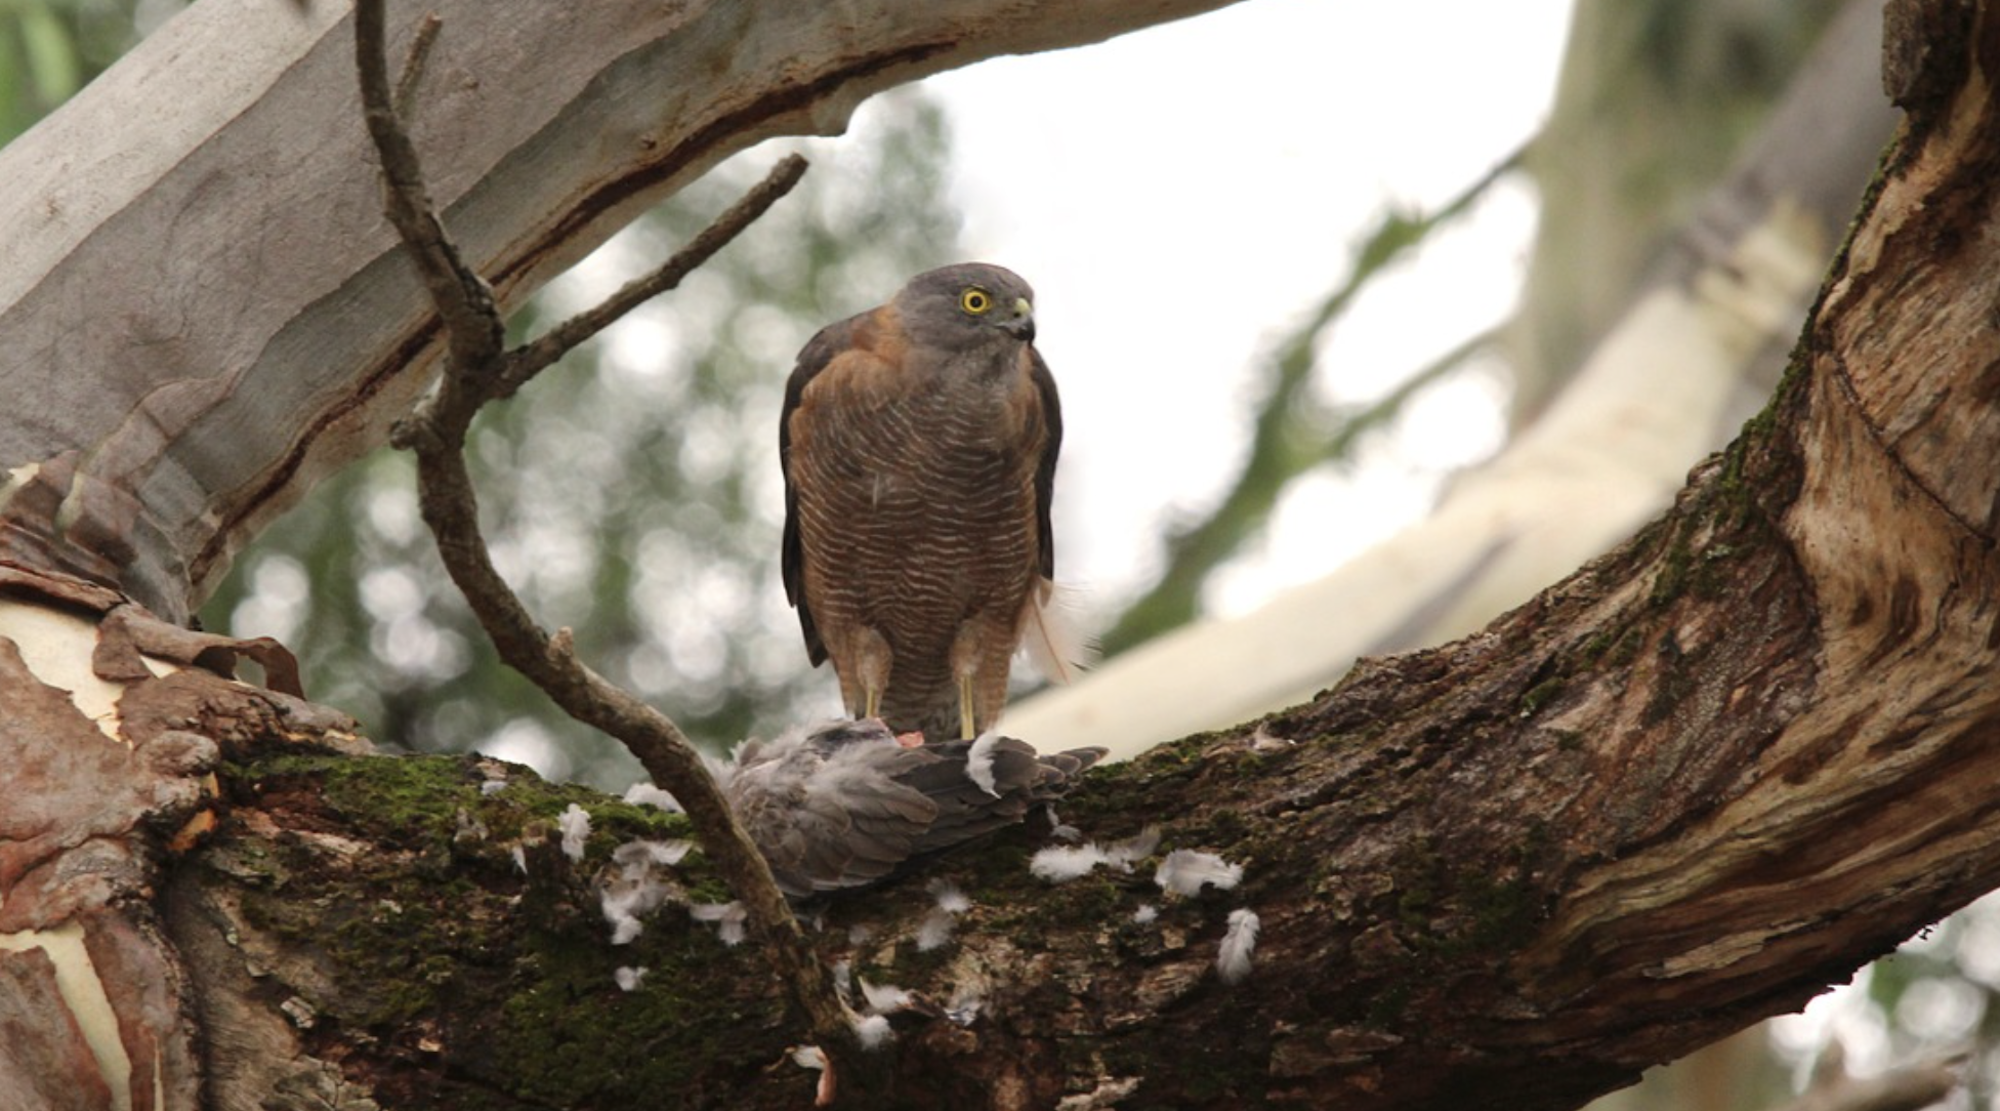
(1053, 634)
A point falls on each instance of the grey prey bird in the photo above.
(843, 804)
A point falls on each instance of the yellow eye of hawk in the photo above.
(975, 301)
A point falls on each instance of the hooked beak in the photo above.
(1021, 325)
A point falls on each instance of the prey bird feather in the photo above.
(845, 803)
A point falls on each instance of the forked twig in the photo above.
(480, 368)
(537, 355)
(414, 61)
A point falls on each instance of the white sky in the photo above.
(1177, 196)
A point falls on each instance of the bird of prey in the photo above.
(919, 444)
(844, 803)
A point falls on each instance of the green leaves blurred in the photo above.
(51, 48)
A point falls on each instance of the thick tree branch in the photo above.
(1684, 789)
(478, 369)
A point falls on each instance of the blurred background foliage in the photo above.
(630, 493)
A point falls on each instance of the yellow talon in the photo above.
(965, 725)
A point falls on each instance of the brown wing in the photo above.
(817, 354)
(861, 348)
(845, 805)
(1045, 468)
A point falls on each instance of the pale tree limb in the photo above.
(478, 369)
(1292, 432)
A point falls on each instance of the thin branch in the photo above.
(413, 62)
(464, 301)
(1283, 443)
(449, 505)
(533, 357)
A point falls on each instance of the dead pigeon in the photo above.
(844, 803)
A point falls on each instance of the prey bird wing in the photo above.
(845, 803)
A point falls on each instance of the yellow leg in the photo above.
(871, 703)
(965, 725)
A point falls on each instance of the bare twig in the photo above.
(477, 366)
(464, 301)
(413, 63)
(531, 358)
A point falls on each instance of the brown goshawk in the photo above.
(919, 444)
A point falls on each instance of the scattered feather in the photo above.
(636, 882)
(884, 999)
(873, 1031)
(664, 854)
(492, 786)
(468, 828)
(1263, 740)
(812, 1057)
(1060, 863)
(645, 794)
(979, 763)
(964, 1007)
(1184, 871)
(520, 856)
(1146, 914)
(936, 928)
(1137, 847)
(628, 977)
(728, 919)
(949, 898)
(1110, 1092)
(1232, 963)
(1053, 635)
(575, 825)
(860, 934)
(934, 932)
(843, 979)
(1060, 830)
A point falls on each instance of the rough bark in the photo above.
(1684, 789)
